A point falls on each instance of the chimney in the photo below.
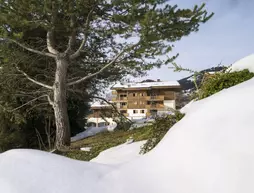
(158, 80)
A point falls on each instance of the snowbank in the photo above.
(32, 171)
(244, 63)
(120, 154)
(210, 150)
(187, 107)
(91, 131)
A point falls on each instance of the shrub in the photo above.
(159, 128)
(221, 81)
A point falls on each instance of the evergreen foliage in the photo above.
(92, 42)
(158, 130)
(220, 81)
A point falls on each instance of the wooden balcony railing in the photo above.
(126, 114)
(114, 92)
(155, 106)
(123, 107)
(119, 99)
(155, 98)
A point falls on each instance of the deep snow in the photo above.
(120, 154)
(210, 150)
(244, 63)
(91, 131)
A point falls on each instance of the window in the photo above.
(142, 94)
(134, 94)
(142, 111)
(142, 102)
(135, 111)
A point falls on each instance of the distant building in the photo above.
(145, 99)
(101, 115)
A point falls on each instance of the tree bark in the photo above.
(60, 104)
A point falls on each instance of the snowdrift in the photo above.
(244, 63)
(210, 150)
(91, 131)
(120, 154)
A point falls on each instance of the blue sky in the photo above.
(227, 37)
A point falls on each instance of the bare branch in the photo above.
(72, 35)
(34, 81)
(50, 44)
(31, 49)
(77, 53)
(50, 101)
(103, 68)
(116, 110)
(28, 103)
(50, 32)
(35, 106)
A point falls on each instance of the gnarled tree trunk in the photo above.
(60, 104)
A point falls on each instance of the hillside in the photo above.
(197, 155)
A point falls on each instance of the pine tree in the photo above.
(95, 37)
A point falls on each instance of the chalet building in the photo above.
(101, 115)
(145, 99)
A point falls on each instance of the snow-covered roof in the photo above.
(147, 84)
(244, 63)
(99, 105)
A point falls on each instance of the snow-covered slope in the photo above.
(210, 150)
(91, 131)
(32, 171)
(120, 154)
(244, 63)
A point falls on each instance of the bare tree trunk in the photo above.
(60, 104)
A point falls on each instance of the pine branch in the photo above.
(103, 68)
(116, 110)
(72, 35)
(31, 49)
(77, 53)
(34, 81)
(27, 103)
(50, 44)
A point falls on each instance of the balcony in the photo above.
(114, 92)
(119, 99)
(123, 107)
(155, 106)
(155, 98)
(125, 114)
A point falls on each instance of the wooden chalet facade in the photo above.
(140, 100)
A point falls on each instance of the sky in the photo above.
(227, 37)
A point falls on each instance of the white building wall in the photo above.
(138, 115)
(99, 120)
(170, 104)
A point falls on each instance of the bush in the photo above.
(221, 81)
(159, 128)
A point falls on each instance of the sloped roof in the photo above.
(147, 85)
(98, 105)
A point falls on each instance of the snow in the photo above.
(85, 148)
(244, 63)
(210, 150)
(32, 171)
(147, 84)
(99, 105)
(91, 131)
(120, 154)
(187, 107)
